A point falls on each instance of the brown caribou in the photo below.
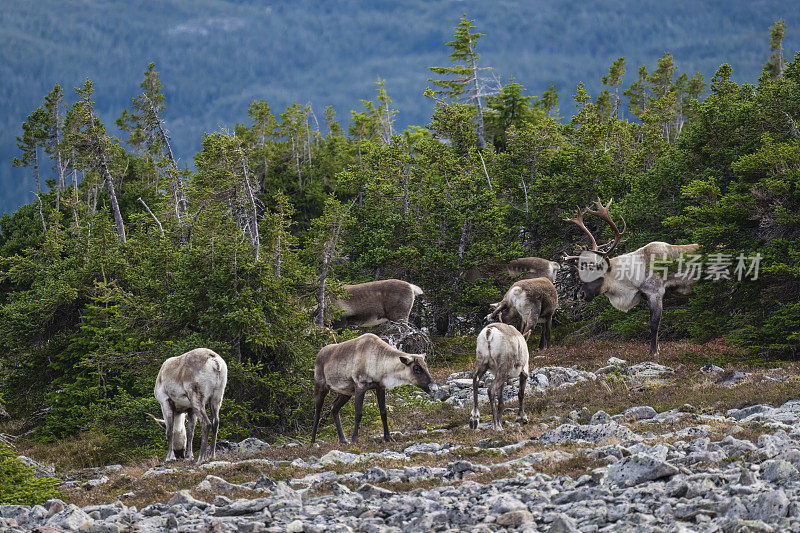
(535, 302)
(627, 278)
(185, 384)
(503, 350)
(375, 302)
(533, 267)
(527, 267)
(353, 367)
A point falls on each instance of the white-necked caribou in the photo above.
(627, 278)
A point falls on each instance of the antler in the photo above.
(602, 213)
(579, 221)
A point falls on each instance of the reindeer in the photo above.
(625, 279)
(533, 267)
(353, 367)
(502, 349)
(534, 300)
(527, 267)
(185, 384)
(375, 302)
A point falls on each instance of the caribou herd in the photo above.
(189, 382)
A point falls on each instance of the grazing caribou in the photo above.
(353, 367)
(527, 267)
(533, 267)
(502, 349)
(534, 300)
(375, 302)
(185, 384)
(628, 278)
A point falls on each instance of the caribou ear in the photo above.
(406, 360)
(159, 421)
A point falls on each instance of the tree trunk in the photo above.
(321, 293)
(308, 146)
(255, 239)
(296, 151)
(477, 99)
(112, 193)
(161, 229)
(38, 187)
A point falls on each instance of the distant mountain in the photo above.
(217, 56)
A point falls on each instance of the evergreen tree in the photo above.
(775, 65)
(614, 80)
(463, 81)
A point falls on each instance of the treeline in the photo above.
(216, 56)
(127, 258)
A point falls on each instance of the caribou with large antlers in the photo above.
(628, 278)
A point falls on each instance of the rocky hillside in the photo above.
(616, 443)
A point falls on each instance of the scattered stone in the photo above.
(216, 485)
(295, 527)
(739, 414)
(778, 471)
(39, 469)
(371, 491)
(514, 518)
(710, 368)
(600, 417)
(243, 507)
(733, 379)
(184, 498)
(648, 371)
(563, 524)
(773, 504)
(159, 471)
(637, 469)
(71, 519)
(642, 412)
(338, 456)
(587, 433)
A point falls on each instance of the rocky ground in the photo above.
(699, 465)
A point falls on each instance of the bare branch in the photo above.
(160, 227)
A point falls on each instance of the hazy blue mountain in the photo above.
(216, 56)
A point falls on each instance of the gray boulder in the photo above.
(71, 518)
(587, 433)
(185, 499)
(636, 469)
(770, 506)
(642, 412)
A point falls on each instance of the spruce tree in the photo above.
(462, 81)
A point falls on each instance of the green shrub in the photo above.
(19, 484)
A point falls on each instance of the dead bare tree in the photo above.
(328, 255)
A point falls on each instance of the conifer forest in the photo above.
(129, 256)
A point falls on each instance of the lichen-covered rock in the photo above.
(778, 471)
(636, 469)
(587, 433)
(642, 412)
(184, 498)
(774, 504)
(647, 372)
(338, 456)
(72, 518)
(218, 485)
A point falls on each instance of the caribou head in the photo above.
(594, 265)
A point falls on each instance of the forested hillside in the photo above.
(127, 258)
(217, 56)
